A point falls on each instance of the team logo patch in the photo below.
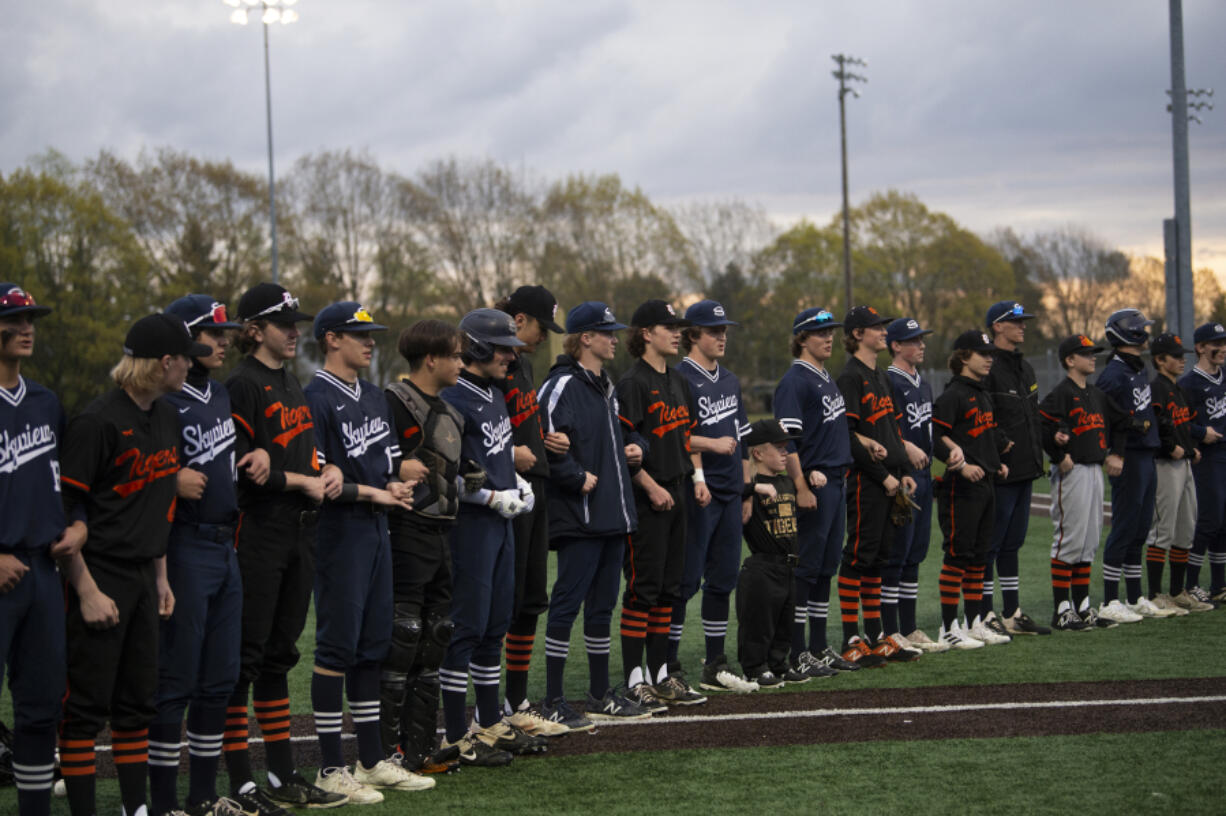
(362, 316)
(669, 306)
(718, 311)
(986, 341)
(608, 316)
(1087, 342)
(912, 324)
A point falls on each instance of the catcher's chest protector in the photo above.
(441, 431)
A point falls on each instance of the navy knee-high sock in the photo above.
(597, 641)
(164, 751)
(557, 649)
(714, 624)
(800, 617)
(327, 701)
(362, 684)
(205, 729)
(819, 614)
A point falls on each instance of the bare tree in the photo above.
(723, 233)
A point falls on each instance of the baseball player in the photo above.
(119, 463)
(1206, 391)
(1082, 430)
(655, 404)
(482, 541)
(275, 545)
(879, 470)
(533, 309)
(592, 513)
(1015, 396)
(199, 645)
(810, 407)
(713, 544)
(970, 443)
(35, 532)
(1174, 492)
(1132, 491)
(359, 458)
(913, 396)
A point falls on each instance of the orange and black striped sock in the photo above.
(659, 623)
(972, 592)
(870, 599)
(951, 588)
(849, 605)
(519, 643)
(1155, 561)
(1061, 579)
(130, 752)
(270, 699)
(1179, 570)
(634, 639)
(79, 768)
(1081, 585)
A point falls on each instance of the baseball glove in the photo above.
(900, 509)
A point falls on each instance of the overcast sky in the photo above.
(1031, 115)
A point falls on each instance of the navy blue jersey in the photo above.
(1206, 396)
(487, 429)
(1124, 380)
(206, 444)
(913, 396)
(352, 429)
(808, 402)
(31, 426)
(719, 411)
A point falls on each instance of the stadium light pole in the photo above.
(845, 77)
(270, 11)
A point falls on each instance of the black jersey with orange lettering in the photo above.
(868, 398)
(1174, 417)
(964, 413)
(118, 465)
(1095, 425)
(271, 412)
(771, 529)
(526, 430)
(658, 407)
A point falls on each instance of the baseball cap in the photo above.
(1168, 343)
(656, 313)
(1077, 344)
(201, 311)
(591, 315)
(271, 302)
(973, 340)
(1006, 310)
(346, 316)
(14, 301)
(535, 301)
(814, 319)
(159, 334)
(862, 317)
(764, 432)
(1208, 332)
(904, 328)
(708, 313)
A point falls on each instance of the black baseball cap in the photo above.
(973, 340)
(862, 317)
(1208, 332)
(14, 301)
(1006, 310)
(904, 328)
(657, 313)
(346, 316)
(765, 432)
(814, 319)
(591, 315)
(270, 301)
(538, 302)
(1169, 343)
(708, 314)
(157, 335)
(201, 312)
(1078, 344)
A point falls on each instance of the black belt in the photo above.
(359, 508)
(777, 558)
(221, 533)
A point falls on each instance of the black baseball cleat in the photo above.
(254, 801)
(298, 792)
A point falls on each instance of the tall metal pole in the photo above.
(846, 215)
(1180, 315)
(272, 184)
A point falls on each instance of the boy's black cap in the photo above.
(1077, 344)
(766, 431)
(973, 340)
(861, 317)
(160, 334)
(538, 302)
(657, 313)
(201, 311)
(270, 301)
(1167, 343)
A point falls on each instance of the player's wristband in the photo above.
(958, 466)
(699, 476)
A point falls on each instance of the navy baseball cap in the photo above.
(157, 335)
(270, 301)
(814, 319)
(766, 431)
(1168, 343)
(904, 328)
(862, 317)
(656, 313)
(535, 301)
(201, 312)
(1077, 344)
(346, 316)
(14, 301)
(1209, 332)
(973, 340)
(709, 314)
(591, 316)
(1007, 310)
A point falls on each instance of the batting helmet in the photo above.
(485, 329)
(1127, 327)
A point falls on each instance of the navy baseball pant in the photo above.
(1132, 513)
(820, 543)
(589, 574)
(713, 553)
(1008, 536)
